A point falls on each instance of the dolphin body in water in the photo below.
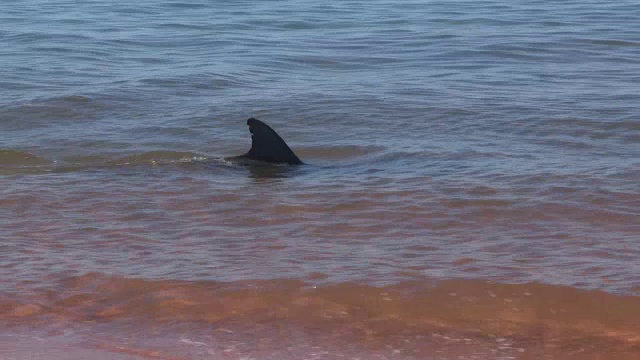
(267, 146)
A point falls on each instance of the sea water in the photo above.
(472, 187)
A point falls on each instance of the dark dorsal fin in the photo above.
(267, 145)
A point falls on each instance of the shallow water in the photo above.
(449, 144)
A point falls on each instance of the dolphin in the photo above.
(267, 146)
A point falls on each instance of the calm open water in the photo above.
(473, 187)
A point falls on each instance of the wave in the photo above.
(339, 152)
(13, 162)
(16, 162)
(478, 307)
(20, 161)
(49, 111)
(18, 158)
(158, 157)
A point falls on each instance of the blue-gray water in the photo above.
(482, 140)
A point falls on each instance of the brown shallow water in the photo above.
(291, 319)
(169, 255)
(168, 216)
(172, 255)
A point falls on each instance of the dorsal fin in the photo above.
(267, 145)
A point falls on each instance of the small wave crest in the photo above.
(13, 162)
(344, 152)
(144, 159)
(16, 158)
(44, 112)
(158, 158)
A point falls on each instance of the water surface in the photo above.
(467, 151)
